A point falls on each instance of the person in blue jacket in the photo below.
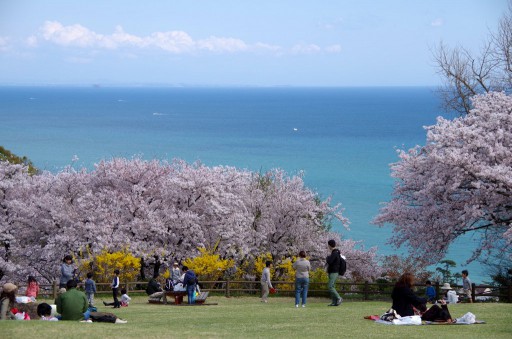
(190, 282)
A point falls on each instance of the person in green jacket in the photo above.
(72, 304)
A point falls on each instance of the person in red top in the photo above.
(32, 287)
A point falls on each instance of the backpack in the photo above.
(168, 285)
(343, 265)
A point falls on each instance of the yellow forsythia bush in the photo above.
(208, 266)
(318, 276)
(287, 273)
(104, 264)
(259, 265)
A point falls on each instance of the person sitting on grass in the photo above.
(44, 311)
(125, 299)
(32, 288)
(404, 299)
(7, 300)
(72, 304)
(154, 291)
(430, 291)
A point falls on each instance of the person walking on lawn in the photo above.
(333, 269)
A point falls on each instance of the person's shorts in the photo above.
(467, 293)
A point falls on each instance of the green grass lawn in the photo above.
(247, 317)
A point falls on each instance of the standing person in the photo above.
(404, 298)
(115, 288)
(73, 303)
(190, 282)
(265, 281)
(67, 271)
(333, 269)
(466, 285)
(7, 299)
(175, 273)
(32, 288)
(302, 268)
(90, 288)
(430, 291)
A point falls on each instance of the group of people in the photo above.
(302, 268)
(71, 303)
(450, 296)
(407, 303)
(183, 279)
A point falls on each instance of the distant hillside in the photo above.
(6, 155)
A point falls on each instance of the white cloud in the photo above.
(74, 35)
(175, 42)
(306, 49)
(31, 41)
(437, 22)
(215, 44)
(333, 49)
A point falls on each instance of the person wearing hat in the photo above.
(451, 296)
(7, 299)
(175, 273)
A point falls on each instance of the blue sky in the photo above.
(235, 43)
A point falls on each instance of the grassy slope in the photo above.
(247, 317)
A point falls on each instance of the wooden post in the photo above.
(473, 290)
(437, 291)
(227, 289)
(509, 296)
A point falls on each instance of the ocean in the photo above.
(342, 138)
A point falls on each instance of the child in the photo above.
(32, 288)
(466, 285)
(430, 292)
(44, 311)
(90, 289)
(115, 287)
(265, 282)
(125, 299)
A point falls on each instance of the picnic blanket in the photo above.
(467, 319)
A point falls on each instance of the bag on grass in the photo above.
(390, 315)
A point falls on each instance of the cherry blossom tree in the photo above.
(11, 176)
(162, 211)
(460, 182)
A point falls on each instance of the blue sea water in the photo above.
(342, 138)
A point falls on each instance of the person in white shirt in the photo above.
(266, 285)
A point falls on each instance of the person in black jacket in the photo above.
(333, 269)
(404, 298)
